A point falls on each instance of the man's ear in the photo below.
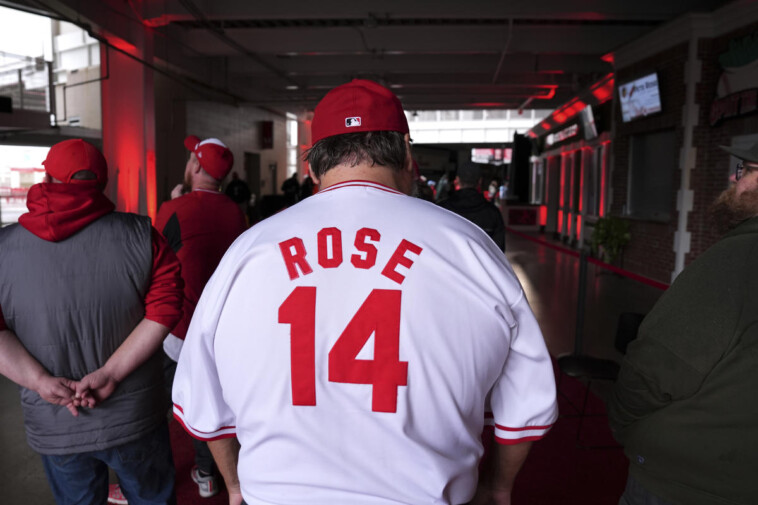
(313, 175)
(408, 153)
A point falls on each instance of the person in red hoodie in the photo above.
(200, 226)
(87, 295)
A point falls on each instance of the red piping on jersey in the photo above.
(514, 441)
(525, 428)
(190, 430)
(204, 439)
(362, 183)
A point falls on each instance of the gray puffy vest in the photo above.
(71, 304)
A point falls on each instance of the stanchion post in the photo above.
(580, 299)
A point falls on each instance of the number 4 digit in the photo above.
(379, 316)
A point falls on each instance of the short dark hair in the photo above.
(84, 175)
(385, 148)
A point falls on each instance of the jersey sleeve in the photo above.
(523, 399)
(163, 301)
(2, 321)
(197, 395)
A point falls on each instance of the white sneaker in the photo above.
(207, 486)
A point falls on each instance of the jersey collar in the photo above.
(361, 183)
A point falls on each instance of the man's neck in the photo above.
(205, 185)
(363, 172)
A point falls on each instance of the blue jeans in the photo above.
(145, 470)
(635, 494)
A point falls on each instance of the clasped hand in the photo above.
(88, 392)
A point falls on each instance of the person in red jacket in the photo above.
(199, 226)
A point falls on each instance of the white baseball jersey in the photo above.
(352, 342)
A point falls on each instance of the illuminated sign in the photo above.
(493, 156)
(562, 135)
(640, 97)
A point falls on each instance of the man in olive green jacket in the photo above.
(685, 405)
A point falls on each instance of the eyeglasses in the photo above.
(740, 170)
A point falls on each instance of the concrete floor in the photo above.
(549, 278)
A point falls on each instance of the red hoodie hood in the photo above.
(57, 211)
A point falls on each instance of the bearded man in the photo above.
(684, 404)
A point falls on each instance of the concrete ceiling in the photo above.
(440, 54)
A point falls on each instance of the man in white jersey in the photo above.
(353, 343)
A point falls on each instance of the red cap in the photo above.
(71, 156)
(213, 155)
(358, 106)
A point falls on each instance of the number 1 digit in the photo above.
(299, 311)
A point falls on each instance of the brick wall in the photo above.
(651, 251)
(711, 175)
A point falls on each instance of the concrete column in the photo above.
(687, 156)
(128, 105)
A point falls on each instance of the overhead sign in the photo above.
(562, 135)
(640, 97)
(495, 156)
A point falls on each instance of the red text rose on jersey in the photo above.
(329, 245)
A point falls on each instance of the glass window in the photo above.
(292, 147)
(651, 175)
(20, 168)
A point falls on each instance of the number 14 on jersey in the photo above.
(378, 315)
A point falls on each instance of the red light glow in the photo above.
(121, 44)
(608, 58)
(151, 191)
(603, 89)
(550, 94)
(563, 180)
(578, 226)
(585, 154)
(603, 166)
(543, 215)
(560, 221)
(572, 159)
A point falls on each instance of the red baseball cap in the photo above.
(71, 156)
(358, 106)
(213, 155)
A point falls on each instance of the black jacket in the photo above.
(469, 203)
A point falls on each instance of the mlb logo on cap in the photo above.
(351, 122)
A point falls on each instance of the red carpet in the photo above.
(555, 473)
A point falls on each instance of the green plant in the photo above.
(609, 237)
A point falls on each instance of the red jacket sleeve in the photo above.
(2, 321)
(163, 302)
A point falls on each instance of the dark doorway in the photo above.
(253, 173)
